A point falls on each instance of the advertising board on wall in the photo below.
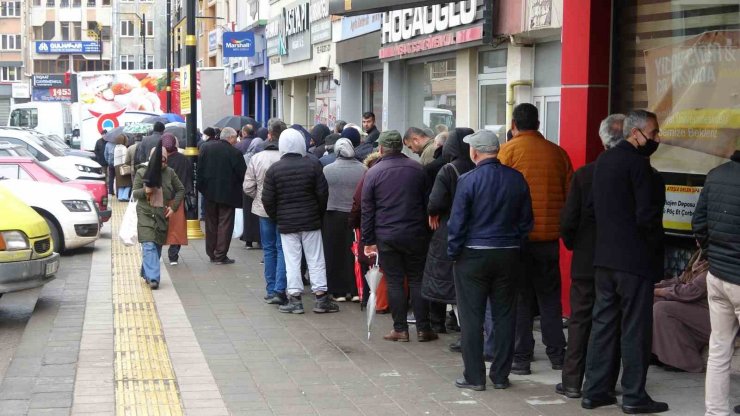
(50, 88)
(57, 47)
(320, 21)
(355, 26)
(405, 24)
(680, 204)
(238, 44)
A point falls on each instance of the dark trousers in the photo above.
(483, 276)
(111, 179)
(173, 252)
(219, 228)
(620, 294)
(405, 259)
(437, 314)
(541, 287)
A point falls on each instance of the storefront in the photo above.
(302, 60)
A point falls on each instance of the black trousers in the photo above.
(437, 314)
(111, 180)
(480, 276)
(625, 301)
(405, 258)
(540, 287)
(219, 229)
(173, 252)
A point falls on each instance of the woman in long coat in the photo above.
(123, 171)
(153, 185)
(342, 176)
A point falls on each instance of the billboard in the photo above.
(56, 47)
(238, 44)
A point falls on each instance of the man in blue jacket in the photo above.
(490, 220)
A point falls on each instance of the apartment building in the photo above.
(140, 34)
(12, 51)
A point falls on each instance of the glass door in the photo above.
(547, 101)
(492, 108)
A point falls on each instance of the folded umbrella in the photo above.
(358, 267)
(373, 277)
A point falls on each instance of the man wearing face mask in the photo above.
(628, 198)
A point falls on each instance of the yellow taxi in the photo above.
(27, 258)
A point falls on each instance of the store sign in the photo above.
(320, 22)
(296, 19)
(405, 24)
(20, 90)
(47, 80)
(50, 88)
(66, 47)
(275, 38)
(680, 204)
(355, 26)
(238, 44)
(433, 42)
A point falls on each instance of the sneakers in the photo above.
(294, 305)
(355, 299)
(277, 299)
(173, 262)
(341, 299)
(153, 284)
(324, 304)
(410, 318)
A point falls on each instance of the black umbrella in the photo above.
(113, 134)
(154, 119)
(236, 122)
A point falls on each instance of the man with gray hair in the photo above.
(490, 220)
(628, 200)
(578, 232)
(221, 170)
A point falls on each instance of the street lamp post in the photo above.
(169, 56)
(191, 128)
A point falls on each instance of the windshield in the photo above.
(50, 146)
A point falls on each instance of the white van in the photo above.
(46, 118)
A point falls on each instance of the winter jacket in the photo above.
(244, 143)
(628, 197)
(716, 220)
(295, 192)
(254, 179)
(394, 200)
(578, 225)
(100, 152)
(427, 154)
(372, 135)
(318, 134)
(342, 177)
(145, 147)
(492, 209)
(220, 173)
(109, 153)
(151, 222)
(438, 283)
(548, 171)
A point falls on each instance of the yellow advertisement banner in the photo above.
(693, 87)
(680, 203)
(184, 89)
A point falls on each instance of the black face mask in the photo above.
(649, 148)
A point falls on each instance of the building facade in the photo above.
(139, 34)
(13, 52)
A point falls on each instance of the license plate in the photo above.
(52, 268)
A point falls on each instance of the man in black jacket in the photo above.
(148, 143)
(717, 228)
(220, 175)
(628, 196)
(578, 231)
(368, 125)
(295, 195)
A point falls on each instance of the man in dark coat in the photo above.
(394, 226)
(318, 139)
(100, 150)
(578, 231)
(149, 143)
(368, 125)
(717, 228)
(629, 196)
(221, 170)
(247, 136)
(330, 156)
(295, 196)
(490, 220)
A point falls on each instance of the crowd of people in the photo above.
(465, 227)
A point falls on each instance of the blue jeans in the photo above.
(150, 253)
(274, 260)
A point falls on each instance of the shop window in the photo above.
(492, 61)
(432, 96)
(492, 98)
(547, 62)
(372, 94)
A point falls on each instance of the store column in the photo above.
(394, 101)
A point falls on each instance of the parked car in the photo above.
(8, 149)
(30, 169)
(27, 259)
(71, 214)
(69, 151)
(73, 167)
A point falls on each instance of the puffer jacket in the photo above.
(295, 192)
(716, 220)
(548, 171)
(254, 179)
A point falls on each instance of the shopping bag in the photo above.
(238, 223)
(128, 233)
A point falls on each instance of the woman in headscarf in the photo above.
(318, 137)
(158, 193)
(342, 177)
(123, 171)
(177, 233)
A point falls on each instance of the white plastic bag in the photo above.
(238, 223)
(127, 232)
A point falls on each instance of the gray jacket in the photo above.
(343, 176)
(254, 179)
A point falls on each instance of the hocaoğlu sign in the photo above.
(405, 24)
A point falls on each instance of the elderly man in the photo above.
(491, 217)
(578, 231)
(421, 143)
(394, 226)
(221, 170)
(248, 132)
(628, 196)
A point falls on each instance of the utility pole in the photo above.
(169, 56)
(192, 119)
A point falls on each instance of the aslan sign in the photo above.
(400, 25)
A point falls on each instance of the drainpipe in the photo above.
(510, 97)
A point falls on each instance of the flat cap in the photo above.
(391, 139)
(483, 140)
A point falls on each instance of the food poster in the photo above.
(694, 88)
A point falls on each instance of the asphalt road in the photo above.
(15, 311)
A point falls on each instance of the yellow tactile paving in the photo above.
(145, 380)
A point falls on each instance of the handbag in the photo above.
(124, 169)
(128, 232)
(238, 223)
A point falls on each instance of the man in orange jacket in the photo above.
(548, 171)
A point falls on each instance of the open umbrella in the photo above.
(164, 118)
(178, 131)
(358, 268)
(137, 128)
(373, 277)
(236, 122)
(113, 134)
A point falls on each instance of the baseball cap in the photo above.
(391, 139)
(483, 139)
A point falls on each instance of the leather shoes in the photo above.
(505, 384)
(649, 407)
(587, 403)
(455, 346)
(397, 336)
(426, 336)
(521, 368)
(569, 392)
(225, 260)
(461, 383)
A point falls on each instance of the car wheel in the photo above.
(56, 234)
